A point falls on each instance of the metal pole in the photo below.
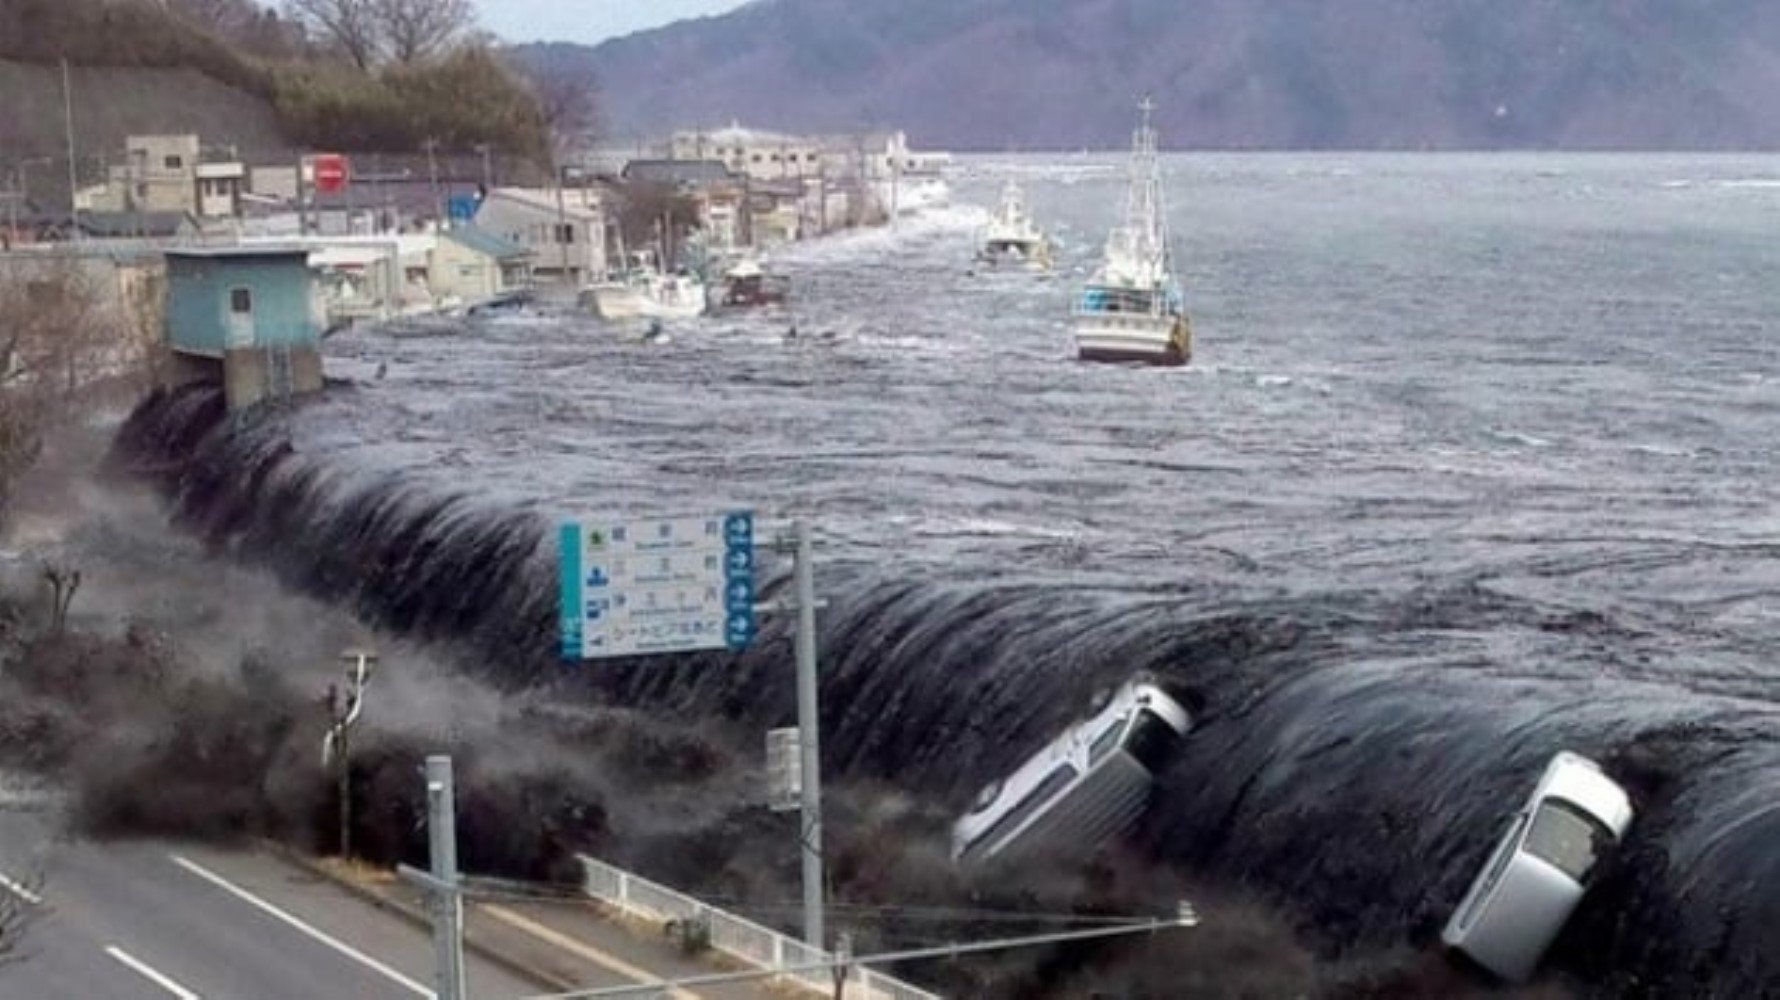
(73, 177)
(448, 945)
(562, 225)
(810, 737)
(18, 194)
(432, 166)
(344, 749)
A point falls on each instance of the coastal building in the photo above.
(753, 153)
(171, 173)
(118, 290)
(472, 266)
(720, 195)
(564, 230)
(246, 315)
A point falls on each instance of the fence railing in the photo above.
(752, 943)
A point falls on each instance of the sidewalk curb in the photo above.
(419, 918)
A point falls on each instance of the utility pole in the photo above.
(73, 175)
(346, 704)
(562, 222)
(804, 582)
(432, 166)
(12, 204)
(487, 166)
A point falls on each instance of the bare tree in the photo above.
(64, 583)
(351, 26)
(568, 98)
(419, 29)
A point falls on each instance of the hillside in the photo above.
(110, 103)
(1393, 74)
(236, 74)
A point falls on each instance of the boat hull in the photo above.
(1035, 257)
(618, 302)
(1153, 340)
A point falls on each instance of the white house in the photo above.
(564, 230)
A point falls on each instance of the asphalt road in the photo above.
(143, 919)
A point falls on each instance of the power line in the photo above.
(1184, 918)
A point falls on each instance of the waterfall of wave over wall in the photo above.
(1341, 763)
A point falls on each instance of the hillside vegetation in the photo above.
(460, 97)
(1391, 74)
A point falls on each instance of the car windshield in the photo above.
(1568, 838)
(1151, 741)
(1107, 741)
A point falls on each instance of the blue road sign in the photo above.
(657, 586)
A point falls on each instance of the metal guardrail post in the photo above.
(442, 835)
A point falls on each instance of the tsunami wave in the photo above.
(1343, 762)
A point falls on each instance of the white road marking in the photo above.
(582, 949)
(142, 969)
(273, 911)
(20, 891)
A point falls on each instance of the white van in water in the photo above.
(1087, 786)
(1540, 868)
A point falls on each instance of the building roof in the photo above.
(691, 173)
(484, 242)
(580, 203)
(246, 252)
(735, 133)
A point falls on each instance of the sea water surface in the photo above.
(1476, 460)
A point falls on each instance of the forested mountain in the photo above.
(1398, 74)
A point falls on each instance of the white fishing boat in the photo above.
(1013, 239)
(644, 291)
(1133, 308)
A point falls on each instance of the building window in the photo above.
(565, 233)
(240, 301)
(174, 162)
(755, 158)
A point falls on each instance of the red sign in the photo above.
(331, 172)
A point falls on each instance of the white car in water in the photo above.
(1085, 787)
(1541, 867)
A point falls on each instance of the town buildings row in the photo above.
(399, 237)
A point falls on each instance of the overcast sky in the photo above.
(588, 21)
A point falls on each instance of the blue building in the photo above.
(247, 316)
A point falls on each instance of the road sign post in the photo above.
(669, 585)
(804, 581)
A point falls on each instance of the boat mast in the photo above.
(1143, 201)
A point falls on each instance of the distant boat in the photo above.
(746, 284)
(1013, 239)
(1133, 308)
